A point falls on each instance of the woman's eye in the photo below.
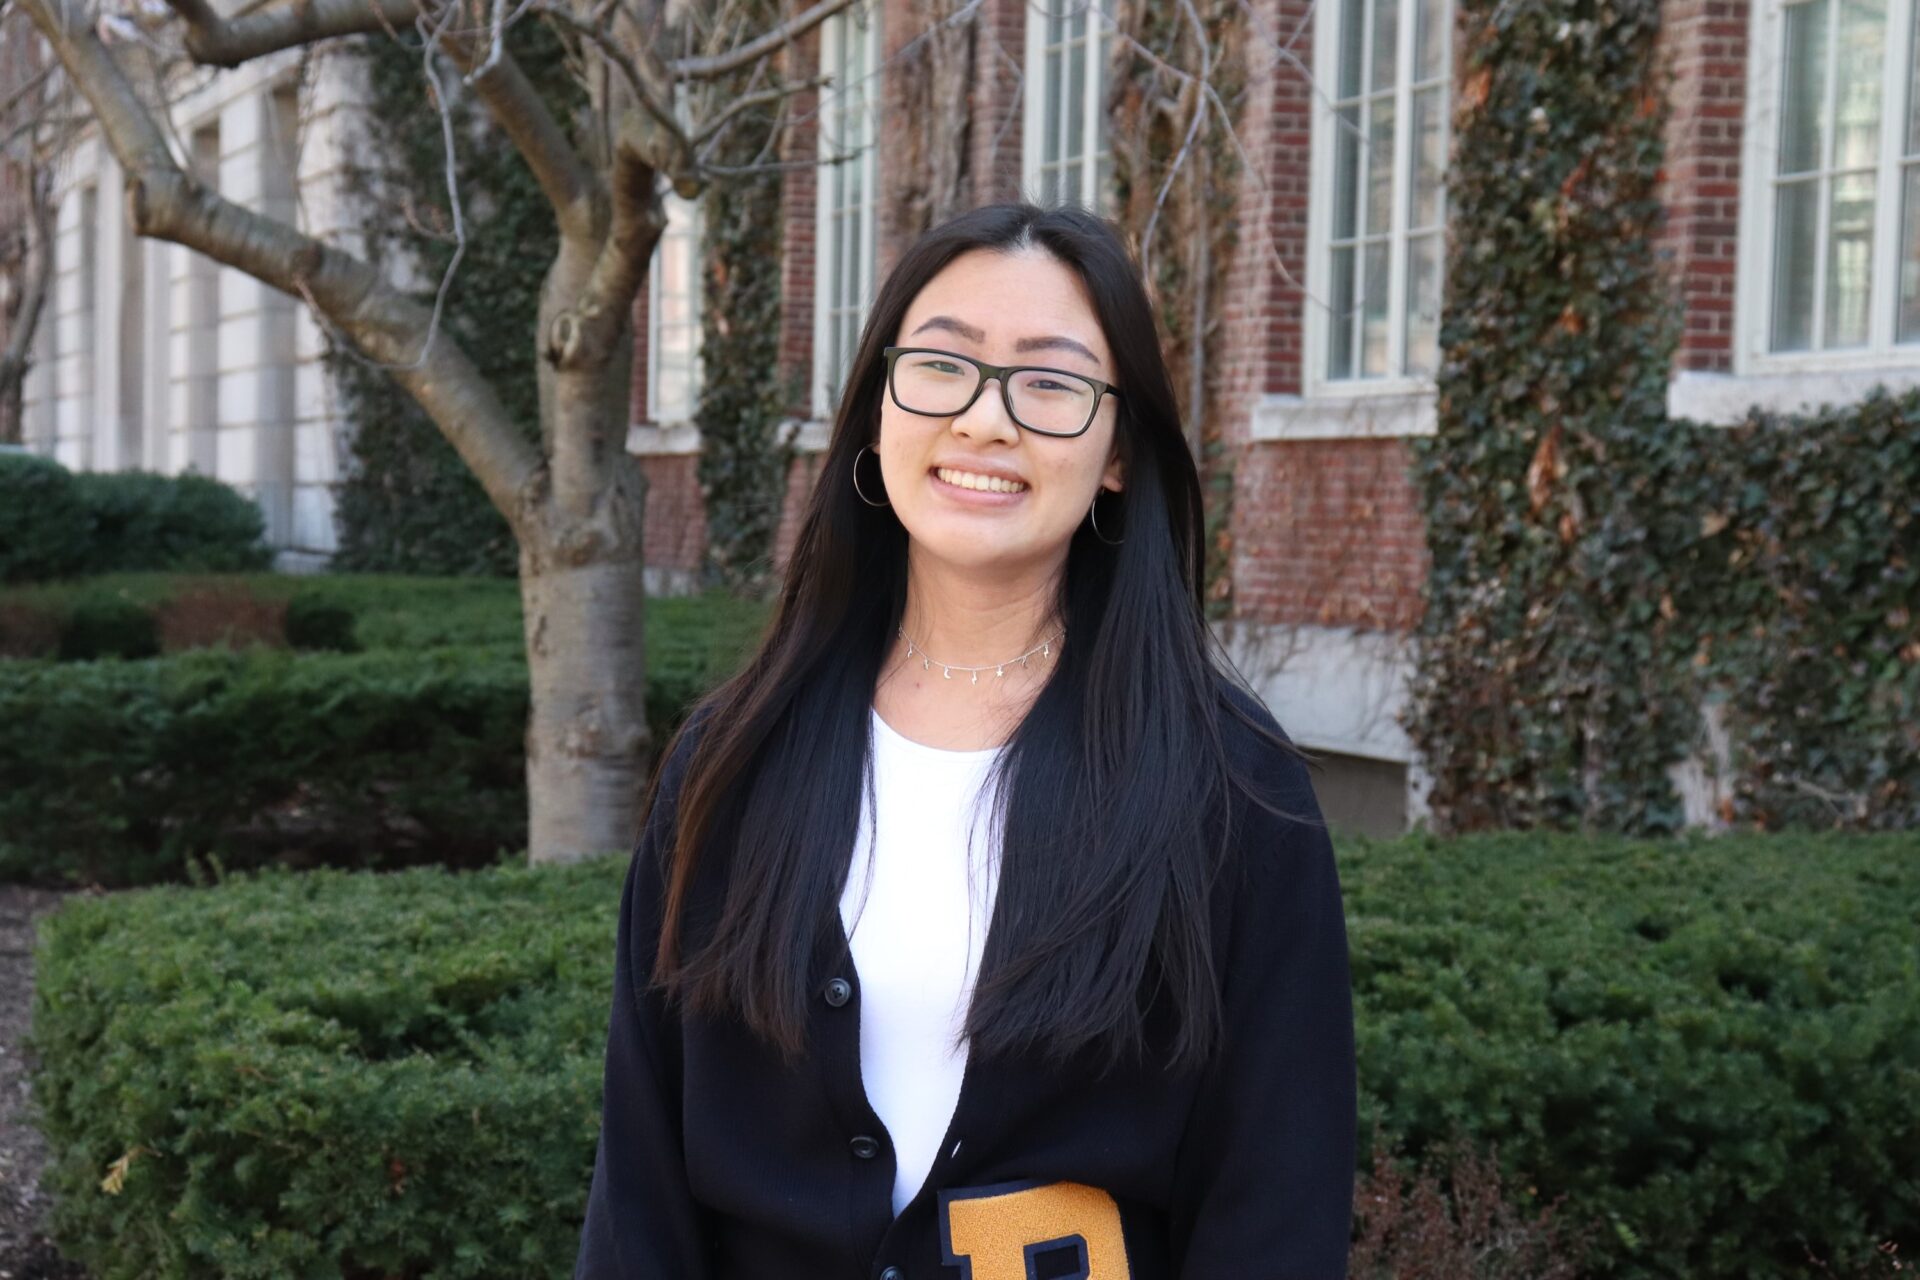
(940, 366)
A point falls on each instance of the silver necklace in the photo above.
(928, 662)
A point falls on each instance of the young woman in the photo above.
(982, 927)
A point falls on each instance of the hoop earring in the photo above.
(856, 481)
(1095, 522)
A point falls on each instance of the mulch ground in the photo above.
(25, 1252)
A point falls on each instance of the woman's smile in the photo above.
(973, 487)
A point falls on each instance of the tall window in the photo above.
(1384, 162)
(844, 250)
(673, 316)
(1067, 158)
(1844, 262)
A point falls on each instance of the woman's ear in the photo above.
(1115, 476)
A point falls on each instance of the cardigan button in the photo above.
(864, 1147)
(838, 992)
(893, 1273)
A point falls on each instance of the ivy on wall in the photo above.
(1600, 572)
(1176, 169)
(407, 503)
(1792, 546)
(1545, 690)
(744, 460)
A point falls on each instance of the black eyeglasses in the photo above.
(940, 384)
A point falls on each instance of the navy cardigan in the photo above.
(716, 1162)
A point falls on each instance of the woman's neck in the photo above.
(972, 619)
(960, 619)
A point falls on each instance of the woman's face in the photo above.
(949, 477)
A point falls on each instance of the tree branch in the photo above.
(164, 203)
(713, 66)
(222, 42)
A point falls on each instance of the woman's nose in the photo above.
(986, 418)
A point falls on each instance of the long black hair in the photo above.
(1115, 787)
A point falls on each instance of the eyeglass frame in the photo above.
(1003, 372)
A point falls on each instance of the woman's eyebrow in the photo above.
(1051, 342)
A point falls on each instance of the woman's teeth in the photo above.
(971, 480)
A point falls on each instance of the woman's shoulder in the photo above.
(1256, 746)
(1277, 824)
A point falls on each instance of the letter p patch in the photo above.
(1033, 1231)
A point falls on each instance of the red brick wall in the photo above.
(676, 522)
(1328, 534)
(1284, 150)
(801, 475)
(798, 191)
(1705, 42)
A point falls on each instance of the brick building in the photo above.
(1792, 187)
(1793, 232)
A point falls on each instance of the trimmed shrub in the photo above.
(108, 627)
(1710, 1046)
(146, 521)
(327, 1075)
(1709, 1049)
(120, 774)
(44, 524)
(315, 622)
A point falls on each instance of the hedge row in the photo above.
(58, 524)
(326, 1075)
(1712, 1047)
(95, 623)
(123, 773)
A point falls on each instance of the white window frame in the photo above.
(1407, 389)
(1753, 285)
(1095, 177)
(683, 221)
(833, 138)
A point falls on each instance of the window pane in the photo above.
(1860, 61)
(1379, 165)
(1353, 33)
(1386, 43)
(1340, 318)
(1076, 103)
(1430, 38)
(1373, 308)
(1423, 304)
(1803, 92)
(1796, 212)
(1346, 171)
(1913, 85)
(1051, 89)
(1909, 320)
(1850, 253)
(1429, 156)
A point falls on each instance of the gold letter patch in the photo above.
(1033, 1231)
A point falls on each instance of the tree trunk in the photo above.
(587, 737)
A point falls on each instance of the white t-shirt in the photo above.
(916, 944)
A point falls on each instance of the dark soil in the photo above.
(25, 1252)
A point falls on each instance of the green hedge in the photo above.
(120, 772)
(44, 525)
(55, 523)
(143, 521)
(1712, 1047)
(124, 772)
(327, 1075)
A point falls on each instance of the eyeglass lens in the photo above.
(931, 383)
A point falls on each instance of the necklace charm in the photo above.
(1044, 649)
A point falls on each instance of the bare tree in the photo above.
(27, 140)
(574, 498)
